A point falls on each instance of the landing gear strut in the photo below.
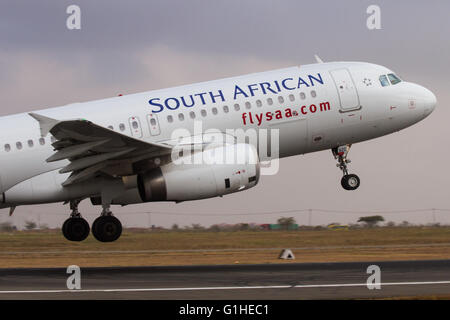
(348, 181)
(106, 228)
(75, 228)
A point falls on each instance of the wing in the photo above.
(93, 149)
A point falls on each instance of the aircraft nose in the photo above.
(429, 100)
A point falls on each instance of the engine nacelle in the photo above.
(182, 180)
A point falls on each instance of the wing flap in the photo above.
(75, 150)
(84, 174)
(85, 162)
(90, 148)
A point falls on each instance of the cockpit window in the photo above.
(384, 81)
(394, 79)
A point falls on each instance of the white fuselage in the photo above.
(315, 107)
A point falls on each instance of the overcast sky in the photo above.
(133, 46)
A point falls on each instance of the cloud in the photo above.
(167, 67)
(38, 79)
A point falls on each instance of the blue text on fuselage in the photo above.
(239, 91)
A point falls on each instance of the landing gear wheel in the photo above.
(94, 227)
(106, 228)
(75, 229)
(64, 229)
(350, 182)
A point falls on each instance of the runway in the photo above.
(270, 281)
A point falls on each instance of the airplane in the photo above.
(119, 151)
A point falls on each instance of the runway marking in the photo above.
(299, 286)
(228, 250)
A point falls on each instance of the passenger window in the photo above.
(203, 113)
(192, 114)
(313, 93)
(41, 141)
(302, 95)
(7, 147)
(30, 143)
(269, 101)
(180, 116)
(393, 78)
(169, 119)
(258, 103)
(121, 127)
(291, 97)
(153, 122)
(19, 145)
(135, 125)
(248, 105)
(384, 81)
(237, 107)
(111, 127)
(225, 109)
(214, 111)
(280, 99)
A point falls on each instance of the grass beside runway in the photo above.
(22, 249)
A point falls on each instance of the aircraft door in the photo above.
(153, 124)
(348, 95)
(135, 126)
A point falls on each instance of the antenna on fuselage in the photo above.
(318, 60)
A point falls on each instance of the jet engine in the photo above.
(210, 173)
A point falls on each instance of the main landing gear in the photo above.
(348, 181)
(75, 228)
(105, 228)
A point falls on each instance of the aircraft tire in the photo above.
(107, 229)
(75, 229)
(64, 229)
(350, 182)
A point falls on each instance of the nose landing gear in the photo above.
(348, 181)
